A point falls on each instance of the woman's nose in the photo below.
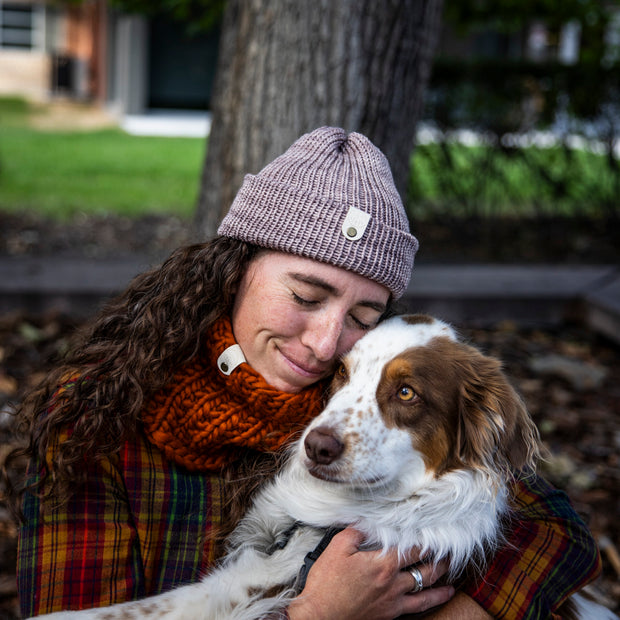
(323, 337)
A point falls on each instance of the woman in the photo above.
(204, 368)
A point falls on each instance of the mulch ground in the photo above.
(474, 240)
(569, 377)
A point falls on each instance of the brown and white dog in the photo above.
(416, 447)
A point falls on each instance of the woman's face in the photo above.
(295, 317)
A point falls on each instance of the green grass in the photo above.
(61, 174)
(491, 182)
(14, 111)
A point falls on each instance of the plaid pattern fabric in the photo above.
(549, 554)
(140, 527)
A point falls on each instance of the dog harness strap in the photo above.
(283, 539)
(313, 556)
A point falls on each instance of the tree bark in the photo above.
(288, 66)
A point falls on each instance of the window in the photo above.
(16, 25)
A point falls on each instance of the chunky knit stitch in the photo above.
(204, 419)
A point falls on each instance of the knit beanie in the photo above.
(330, 197)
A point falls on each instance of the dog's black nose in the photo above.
(321, 445)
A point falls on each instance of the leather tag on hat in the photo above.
(355, 224)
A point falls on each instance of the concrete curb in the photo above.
(532, 295)
(603, 308)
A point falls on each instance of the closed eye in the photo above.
(310, 303)
(360, 324)
(303, 302)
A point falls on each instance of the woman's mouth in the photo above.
(306, 370)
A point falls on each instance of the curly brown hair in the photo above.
(130, 350)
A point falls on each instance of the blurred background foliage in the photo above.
(523, 112)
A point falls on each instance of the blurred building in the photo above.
(130, 63)
(90, 52)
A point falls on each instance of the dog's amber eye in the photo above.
(406, 393)
(341, 371)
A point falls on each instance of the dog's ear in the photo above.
(495, 428)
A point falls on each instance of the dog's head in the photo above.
(411, 400)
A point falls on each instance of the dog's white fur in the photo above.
(382, 456)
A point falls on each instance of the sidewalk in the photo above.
(462, 294)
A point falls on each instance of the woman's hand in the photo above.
(348, 583)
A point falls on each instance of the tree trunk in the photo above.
(287, 67)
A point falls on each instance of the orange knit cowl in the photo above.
(203, 419)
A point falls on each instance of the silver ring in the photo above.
(417, 577)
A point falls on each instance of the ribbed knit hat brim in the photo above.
(330, 197)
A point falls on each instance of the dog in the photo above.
(415, 419)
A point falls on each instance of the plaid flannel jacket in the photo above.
(140, 527)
